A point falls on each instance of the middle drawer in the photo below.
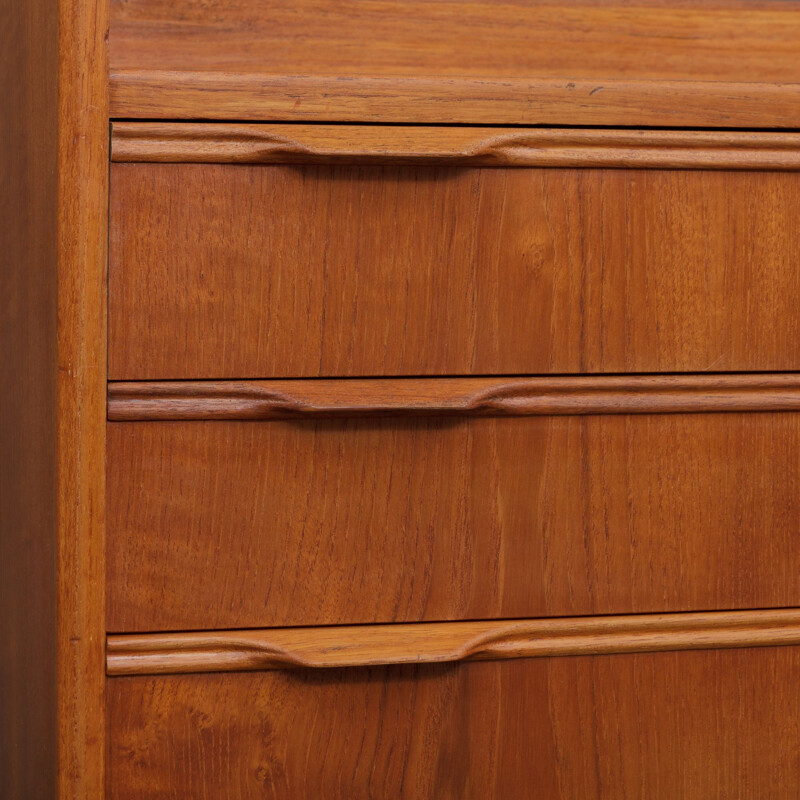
(263, 270)
(236, 524)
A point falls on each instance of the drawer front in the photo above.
(226, 524)
(570, 62)
(256, 271)
(706, 724)
(479, 39)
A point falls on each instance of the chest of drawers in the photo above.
(401, 400)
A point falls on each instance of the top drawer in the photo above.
(413, 267)
(723, 63)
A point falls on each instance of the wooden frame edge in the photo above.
(83, 157)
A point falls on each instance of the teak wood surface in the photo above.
(243, 272)
(220, 525)
(649, 63)
(445, 258)
(29, 672)
(53, 225)
(694, 725)
(83, 155)
(444, 642)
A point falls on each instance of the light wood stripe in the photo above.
(382, 397)
(428, 643)
(184, 94)
(475, 147)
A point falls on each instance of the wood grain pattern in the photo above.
(186, 142)
(28, 214)
(694, 725)
(658, 40)
(651, 63)
(227, 525)
(489, 271)
(463, 397)
(53, 228)
(241, 96)
(83, 153)
(608, 103)
(444, 642)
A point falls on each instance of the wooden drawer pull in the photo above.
(473, 147)
(473, 397)
(438, 642)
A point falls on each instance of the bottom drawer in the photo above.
(693, 724)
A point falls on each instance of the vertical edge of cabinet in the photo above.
(28, 241)
(83, 158)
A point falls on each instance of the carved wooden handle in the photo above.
(440, 642)
(472, 147)
(465, 397)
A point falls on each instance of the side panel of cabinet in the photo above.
(28, 234)
(53, 235)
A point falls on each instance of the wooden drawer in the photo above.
(706, 724)
(301, 521)
(293, 270)
(728, 63)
